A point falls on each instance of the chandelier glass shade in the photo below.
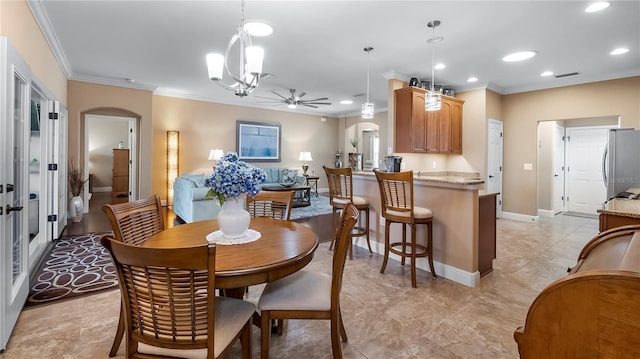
(368, 109)
(250, 62)
(433, 98)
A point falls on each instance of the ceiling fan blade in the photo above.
(315, 103)
(302, 94)
(318, 99)
(304, 104)
(279, 95)
(269, 98)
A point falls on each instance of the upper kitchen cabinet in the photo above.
(421, 131)
(410, 120)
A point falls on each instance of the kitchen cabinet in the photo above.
(410, 120)
(420, 131)
(486, 231)
(120, 179)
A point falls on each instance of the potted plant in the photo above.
(354, 143)
(76, 186)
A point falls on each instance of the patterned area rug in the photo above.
(319, 206)
(77, 265)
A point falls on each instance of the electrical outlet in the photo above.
(528, 166)
(404, 166)
(434, 164)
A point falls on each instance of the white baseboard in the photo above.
(546, 213)
(102, 189)
(444, 270)
(520, 217)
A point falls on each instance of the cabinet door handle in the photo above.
(10, 188)
(490, 176)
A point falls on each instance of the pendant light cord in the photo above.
(433, 59)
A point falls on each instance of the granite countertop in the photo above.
(449, 177)
(623, 206)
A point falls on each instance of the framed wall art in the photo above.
(258, 141)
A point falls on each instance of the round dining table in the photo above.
(283, 248)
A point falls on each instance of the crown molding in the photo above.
(40, 15)
(114, 82)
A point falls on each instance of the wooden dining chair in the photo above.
(169, 303)
(310, 295)
(397, 206)
(340, 193)
(132, 223)
(271, 204)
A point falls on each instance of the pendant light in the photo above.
(367, 107)
(251, 58)
(433, 99)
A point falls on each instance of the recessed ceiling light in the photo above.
(519, 56)
(619, 51)
(346, 102)
(472, 79)
(546, 73)
(257, 28)
(597, 6)
(439, 66)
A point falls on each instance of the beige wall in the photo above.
(115, 101)
(19, 26)
(521, 113)
(205, 125)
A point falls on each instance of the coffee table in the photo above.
(301, 198)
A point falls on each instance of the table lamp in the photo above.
(216, 154)
(305, 156)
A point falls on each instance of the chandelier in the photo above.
(250, 61)
(367, 107)
(433, 99)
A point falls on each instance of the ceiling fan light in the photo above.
(215, 64)
(292, 106)
(367, 110)
(346, 102)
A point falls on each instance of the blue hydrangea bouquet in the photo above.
(233, 177)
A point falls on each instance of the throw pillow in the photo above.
(289, 176)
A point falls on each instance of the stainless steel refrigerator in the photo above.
(621, 161)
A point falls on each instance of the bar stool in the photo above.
(396, 195)
(341, 193)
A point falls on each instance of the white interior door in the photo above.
(494, 162)
(14, 239)
(585, 188)
(557, 196)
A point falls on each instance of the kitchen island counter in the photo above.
(454, 201)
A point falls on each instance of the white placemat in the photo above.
(218, 237)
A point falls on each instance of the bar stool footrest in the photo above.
(421, 251)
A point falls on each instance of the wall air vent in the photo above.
(567, 75)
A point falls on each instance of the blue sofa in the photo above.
(189, 192)
(189, 201)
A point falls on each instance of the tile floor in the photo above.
(384, 317)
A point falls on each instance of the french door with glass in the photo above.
(14, 238)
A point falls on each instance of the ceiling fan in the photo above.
(294, 100)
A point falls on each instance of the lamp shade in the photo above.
(215, 154)
(215, 64)
(305, 156)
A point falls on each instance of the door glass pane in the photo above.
(18, 173)
(35, 150)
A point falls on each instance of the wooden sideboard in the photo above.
(120, 179)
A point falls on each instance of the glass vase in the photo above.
(233, 219)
